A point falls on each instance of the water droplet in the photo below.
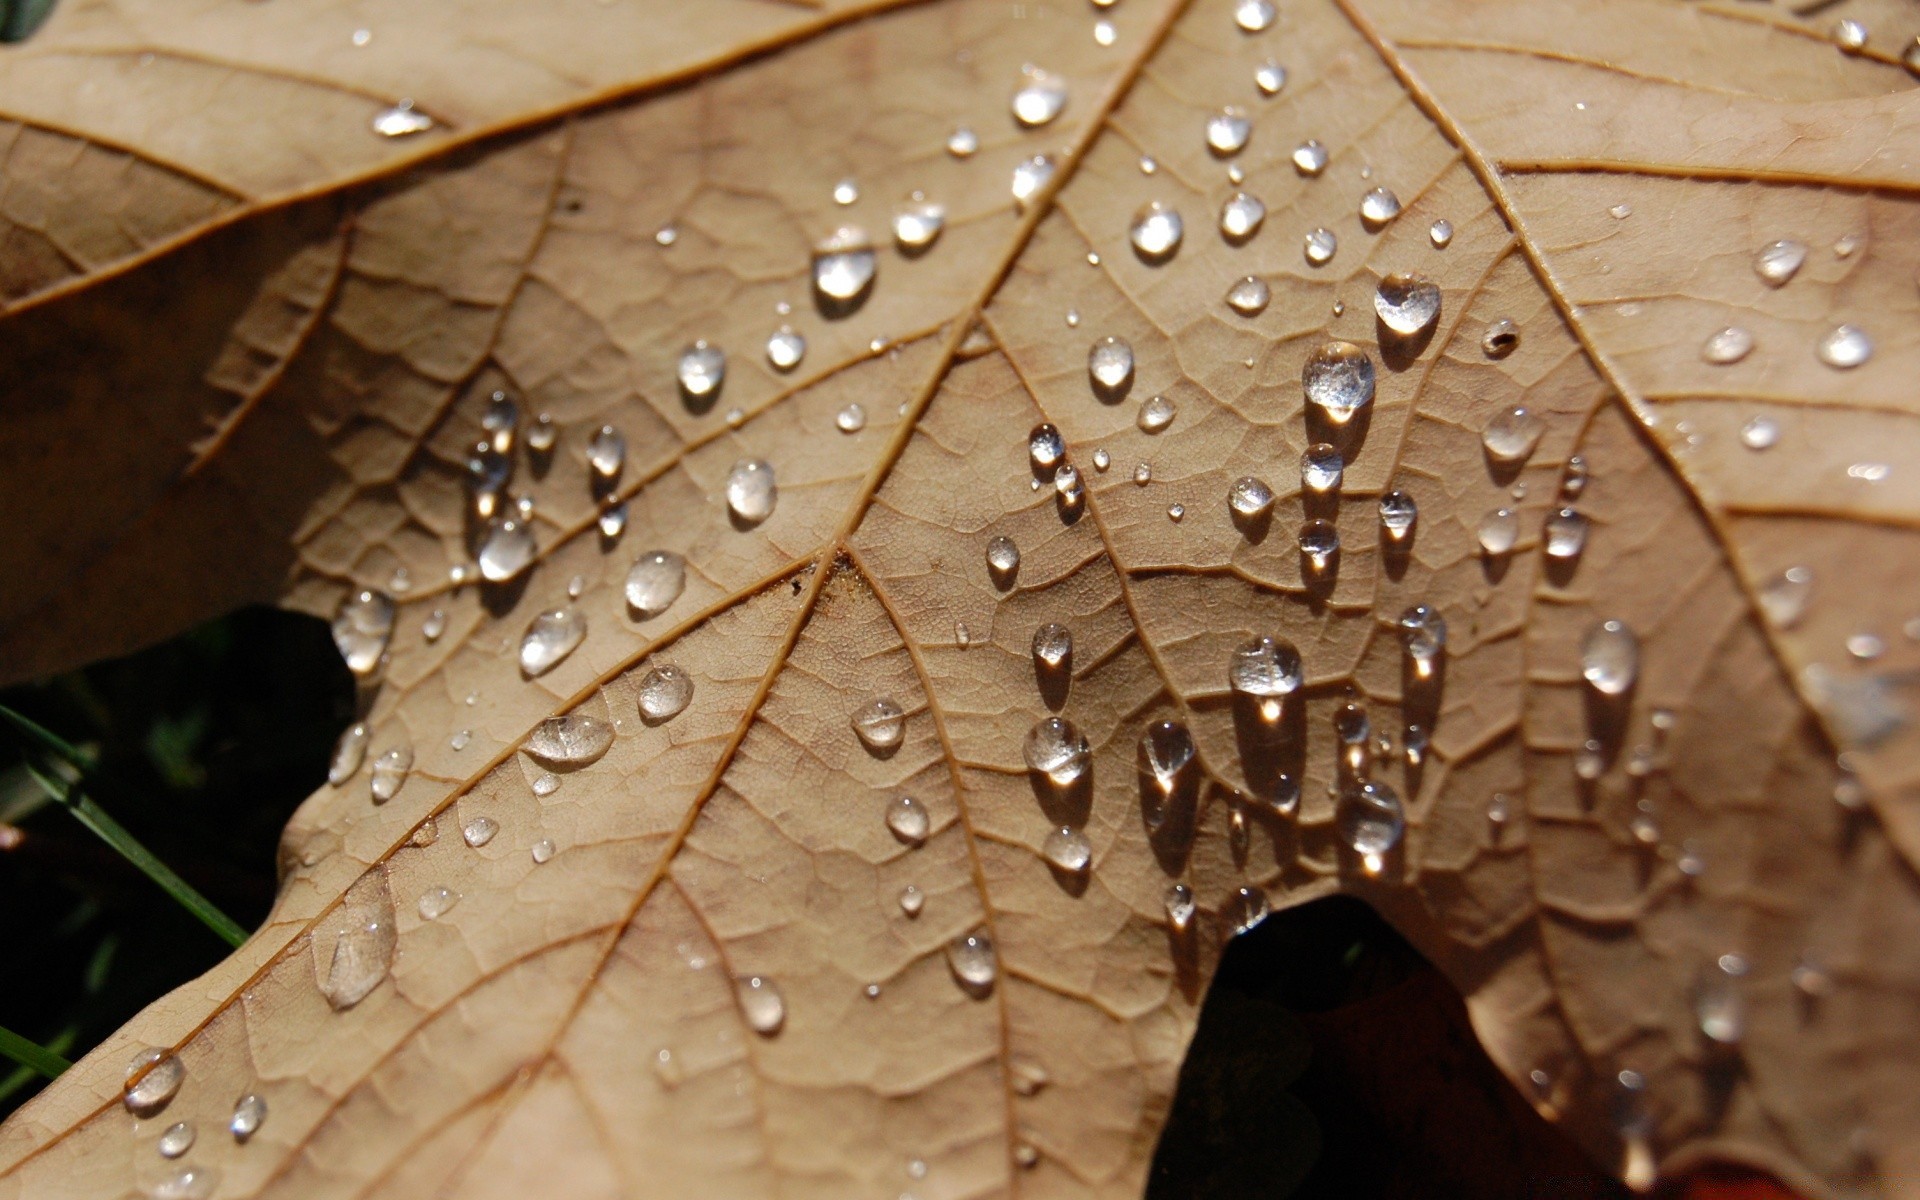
(701, 370)
(667, 234)
(348, 753)
(1620, 212)
(1498, 531)
(362, 627)
(1166, 751)
(1266, 671)
(1175, 512)
(851, 419)
(1784, 597)
(1371, 822)
(1270, 77)
(1501, 338)
(1040, 97)
(1029, 177)
(401, 120)
(363, 954)
(461, 739)
(1253, 16)
(1865, 646)
(552, 636)
(1227, 131)
(1104, 33)
(185, 1183)
(963, 143)
(389, 773)
(1052, 646)
(542, 434)
(1378, 207)
(1512, 434)
(1045, 447)
(1812, 979)
(1248, 908)
(974, 965)
(909, 821)
(607, 452)
(1778, 262)
(655, 582)
(1718, 1004)
(1319, 543)
(1059, 751)
(1845, 347)
(153, 1077)
(1102, 460)
(1156, 414)
(436, 902)
(1143, 474)
(761, 1004)
(1566, 531)
(664, 692)
(912, 900)
(479, 831)
(506, 550)
(1110, 367)
(881, 723)
(751, 493)
(1249, 297)
(1067, 849)
(1610, 658)
(542, 851)
(843, 266)
(1310, 158)
(1850, 36)
(1398, 512)
(1181, 908)
(918, 223)
(434, 625)
(1727, 346)
(1003, 560)
(1408, 302)
(1250, 498)
(248, 1115)
(1155, 232)
(1760, 433)
(613, 521)
(1241, 217)
(1338, 377)
(1423, 632)
(573, 740)
(1440, 233)
(785, 348)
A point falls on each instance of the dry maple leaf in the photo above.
(647, 910)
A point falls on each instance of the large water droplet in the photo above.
(751, 492)
(1407, 302)
(1610, 658)
(1166, 751)
(1052, 646)
(1566, 531)
(1512, 434)
(389, 773)
(1499, 529)
(881, 723)
(1778, 262)
(1378, 207)
(1310, 158)
(1250, 498)
(1067, 849)
(607, 452)
(506, 550)
(1727, 346)
(1155, 232)
(843, 266)
(785, 348)
(348, 753)
(1110, 367)
(664, 693)
(437, 902)
(1057, 750)
(1322, 468)
(655, 582)
(1371, 822)
(1248, 296)
(1228, 130)
(972, 960)
(1040, 97)
(1338, 377)
(917, 224)
(363, 953)
(1266, 671)
(1844, 347)
(1241, 217)
(552, 636)
(573, 740)
(362, 627)
(1003, 560)
(702, 369)
(153, 1077)
(909, 821)
(1398, 512)
(761, 1004)
(248, 1115)
(1030, 176)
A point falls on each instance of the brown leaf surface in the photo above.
(280, 406)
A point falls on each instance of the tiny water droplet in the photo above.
(1398, 512)
(1110, 367)
(1378, 207)
(348, 753)
(434, 625)
(761, 1004)
(1512, 434)
(249, 1113)
(1175, 512)
(963, 143)
(1610, 658)
(1045, 447)
(655, 582)
(1727, 346)
(479, 831)
(1102, 460)
(1566, 531)
(664, 693)
(461, 739)
(1104, 33)
(1845, 347)
(1407, 302)
(546, 784)
(880, 723)
(701, 370)
(153, 1077)
(1143, 474)
(1440, 233)
(401, 120)
(1249, 297)
(1241, 217)
(389, 773)
(843, 265)
(1760, 433)
(917, 224)
(1029, 177)
(1040, 97)
(436, 902)
(972, 960)
(552, 636)
(542, 851)
(1228, 130)
(542, 434)
(1718, 1003)
(1250, 498)
(1155, 232)
(613, 521)
(1338, 377)
(1269, 77)
(362, 627)
(506, 550)
(1059, 751)
(1498, 531)
(751, 492)
(912, 900)
(1778, 262)
(573, 740)
(785, 348)
(907, 818)
(1253, 16)
(1310, 158)
(1501, 338)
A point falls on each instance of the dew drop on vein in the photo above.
(550, 638)
(1039, 98)
(153, 1078)
(761, 1004)
(348, 753)
(655, 582)
(573, 740)
(389, 773)
(973, 962)
(908, 820)
(881, 724)
(664, 693)
(362, 628)
(751, 491)
(1030, 176)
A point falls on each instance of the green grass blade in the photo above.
(114, 834)
(31, 1055)
(46, 738)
